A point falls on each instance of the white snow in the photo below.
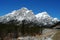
(45, 18)
(26, 14)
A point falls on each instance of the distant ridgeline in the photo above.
(56, 26)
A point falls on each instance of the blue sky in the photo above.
(50, 6)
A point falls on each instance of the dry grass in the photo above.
(57, 36)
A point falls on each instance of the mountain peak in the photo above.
(28, 15)
(23, 8)
(43, 14)
(20, 15)
(45, 18)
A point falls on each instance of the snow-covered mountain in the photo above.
(19, 15)
(29, 16)
(45, 19)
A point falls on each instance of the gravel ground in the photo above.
(47, 35)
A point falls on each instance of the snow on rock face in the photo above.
(19, 15)
(42, 14)
(55, 20)
(25, 14)
(45, 19)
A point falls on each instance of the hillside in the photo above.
(23, 22)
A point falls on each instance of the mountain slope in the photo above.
(46, 19)
(27, 15)
(19, 15)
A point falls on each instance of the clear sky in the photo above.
(50, 6)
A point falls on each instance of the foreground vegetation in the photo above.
(12, 30)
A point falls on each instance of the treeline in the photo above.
(19, 30)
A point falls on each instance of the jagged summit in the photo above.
(26, 14)
(23, 8)
(44, 18)
(21, 14)
(42, 14)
